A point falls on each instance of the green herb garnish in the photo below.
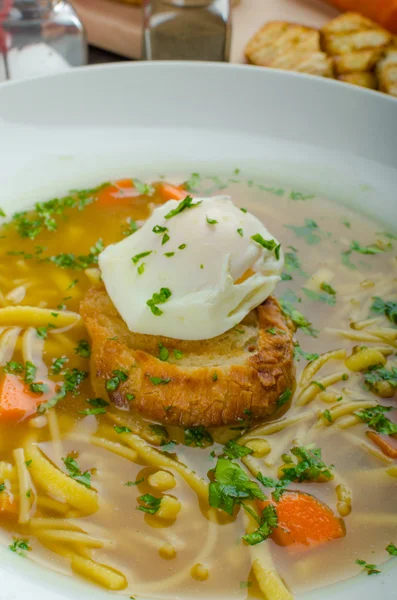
(118, 377)
(83, 349)
(75, 473)
(122, 429)
(231, 486)
(150, 504)
(159, 380)
(370, 569)
(158, 298)
(182, 205)
(268, 522)
(375, 419)
(234, 450)
(389, 308)
(138, 257)
(198, 436)
(284, 398)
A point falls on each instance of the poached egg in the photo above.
(194, 270)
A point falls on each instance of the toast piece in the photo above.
(220, 381)
(387, 71)
(288, 46)
(356, 44)
(367, 80)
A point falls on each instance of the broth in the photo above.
(155, 556)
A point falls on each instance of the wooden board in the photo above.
(118, 27)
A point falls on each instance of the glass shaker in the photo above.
(39, 37)
(186, 30)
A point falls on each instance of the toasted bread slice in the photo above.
(220, 381)
(282, 45)
(357, 62)
(387, 71)
(367, 80)
(356, 43)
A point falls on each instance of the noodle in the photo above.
(311, 369)
(313, 389)
(37, 317)
(7, 343)
(25, 485)
(55, 433)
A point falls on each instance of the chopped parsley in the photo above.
(2, 487)
(122, 429)
(165, 239)
(230, 486)
(389, 308)
(309, 466)
(135, 259)
(325, 297)
(83, 349)
(211, 221)
(144, 189)
(71, 261)
(98, 402)
(130, 397)
(267, 244)
(132, 228)
(42, 332)
(267, 523)
(30, 225)
(240, 232)
(57, 365)
(150, 504)
(159, 380)
(244, 210)
(178, 354)
(372, 249)
(298, 353)
(14, 367)
(38, 388)
(379, 374)
(182, 205)
(160, 431)
(375, 419)
(198, 436)
(327, 415)
(20, 546)
(118, 377)
(292, 264)
(133, 483)
(234, 450)
(141, 269)
(28, 463)
(168, 255)
(75, 473)
(346, 223)
(299, 196)
(392, 549)
(327, 288)
(279, 485)
(309, 232)
(192, 184)
(158, 298)
(284, 398)
(370, 569)
(319, 385)
(215, 377)
(182, 246)
(163, 352)
(298, 319)
(346, 260)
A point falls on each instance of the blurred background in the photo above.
(44, 36)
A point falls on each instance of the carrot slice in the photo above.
(121, 193)
(172, 192)
(388, 447)
(303, 519)
(8, 505)
(17, 401)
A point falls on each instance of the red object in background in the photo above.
(383, 12)
(5, 7)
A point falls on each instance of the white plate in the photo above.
(89, 125)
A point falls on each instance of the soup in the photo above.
(89, 489)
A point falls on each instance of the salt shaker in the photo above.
(39, 37)
(186, 30)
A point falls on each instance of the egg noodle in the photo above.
(142, 508)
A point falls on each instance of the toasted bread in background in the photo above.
(282, 45)
(214, 382)
(367, 80)
(387, 71)
(356, 45)
(351, 33)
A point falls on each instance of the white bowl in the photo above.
(89, 125)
